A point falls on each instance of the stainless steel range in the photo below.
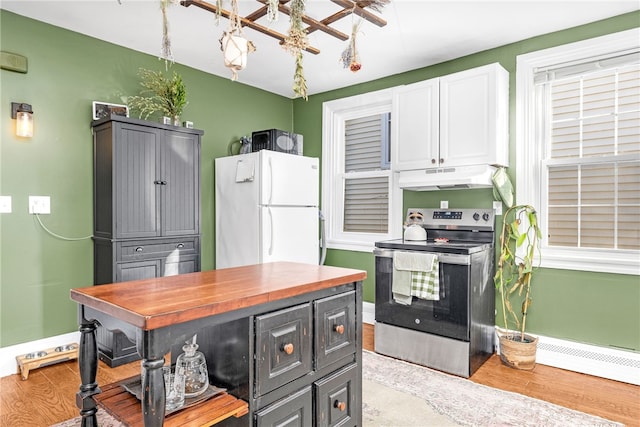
(435, 299)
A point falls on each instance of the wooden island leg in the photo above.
(88, 365)
(153, 394)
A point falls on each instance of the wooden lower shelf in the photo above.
(126, 408)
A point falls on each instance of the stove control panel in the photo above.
(452, 218)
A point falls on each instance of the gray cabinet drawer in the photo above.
(283, 347)
(294, 410)
(165, 248)
(335, 328)
(337, 399)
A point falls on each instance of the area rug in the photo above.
(401, 394)
(458, 400)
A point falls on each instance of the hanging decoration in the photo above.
(272, 10)
(349, 56)
(166, 53)
(378, 5)
(234, 45)
(295, 42)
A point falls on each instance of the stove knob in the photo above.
(476, 216)
(485, 216)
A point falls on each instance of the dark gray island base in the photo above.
(284, 339)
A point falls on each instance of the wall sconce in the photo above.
(24, 119)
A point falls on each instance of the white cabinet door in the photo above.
(415, 114)
(474, 117)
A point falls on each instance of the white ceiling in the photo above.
(419, 33)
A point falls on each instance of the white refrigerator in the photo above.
(266, 209)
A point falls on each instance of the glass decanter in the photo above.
(194, 366)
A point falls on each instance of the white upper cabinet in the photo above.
(456, 120)
(415, 116)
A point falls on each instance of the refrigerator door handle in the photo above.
(271, 233)
(270, 181)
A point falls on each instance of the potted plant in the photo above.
(167, 95)
(519, 246)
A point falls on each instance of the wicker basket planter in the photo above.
(518, 354)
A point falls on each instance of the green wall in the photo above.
(67, 71)
(600, 309)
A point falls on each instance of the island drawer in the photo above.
(283, 347)
(335, 328)
(294, 410)
(336, 398)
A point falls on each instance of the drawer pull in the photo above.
(339, 329)
(139, 249)
(340, 405)
(180, 245)
(287, 348)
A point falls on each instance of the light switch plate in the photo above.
(39, 205)
(5, 204)
(497, 207)
(444, 204)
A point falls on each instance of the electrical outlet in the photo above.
(39, 205)
(497, 207)
(444, 204)
(5, 204)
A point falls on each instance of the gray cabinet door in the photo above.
(180, 189)
(136, 169)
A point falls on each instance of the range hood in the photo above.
(462, 177)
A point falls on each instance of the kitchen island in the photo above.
(285, 339)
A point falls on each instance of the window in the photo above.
(578, 135)
(360, 199)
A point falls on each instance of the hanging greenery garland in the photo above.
(166, 53)
(272, 10)
(295, 42)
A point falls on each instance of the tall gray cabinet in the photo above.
(146, 209)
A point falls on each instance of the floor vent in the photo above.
(603, 362)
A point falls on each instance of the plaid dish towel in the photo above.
(426, 284)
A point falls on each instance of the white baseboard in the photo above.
(8, 363)
(368, 313)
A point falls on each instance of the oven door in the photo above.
(447, 317)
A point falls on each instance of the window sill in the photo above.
(594, 260)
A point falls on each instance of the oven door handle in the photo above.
(443, 258)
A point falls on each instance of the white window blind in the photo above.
(366, 189)
(589, 125)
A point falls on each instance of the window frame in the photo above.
(334, 115)
(530, 176)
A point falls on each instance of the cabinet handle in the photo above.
(180, 245)
(433, 161)
(287, 348)
(441, 161)
(340, 405)
(339, 329)
(139, 249)
(158, 182)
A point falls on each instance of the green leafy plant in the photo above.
(519, 244)
(160, 93)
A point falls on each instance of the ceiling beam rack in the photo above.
(249, 21)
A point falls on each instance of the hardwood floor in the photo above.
(48, 395)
